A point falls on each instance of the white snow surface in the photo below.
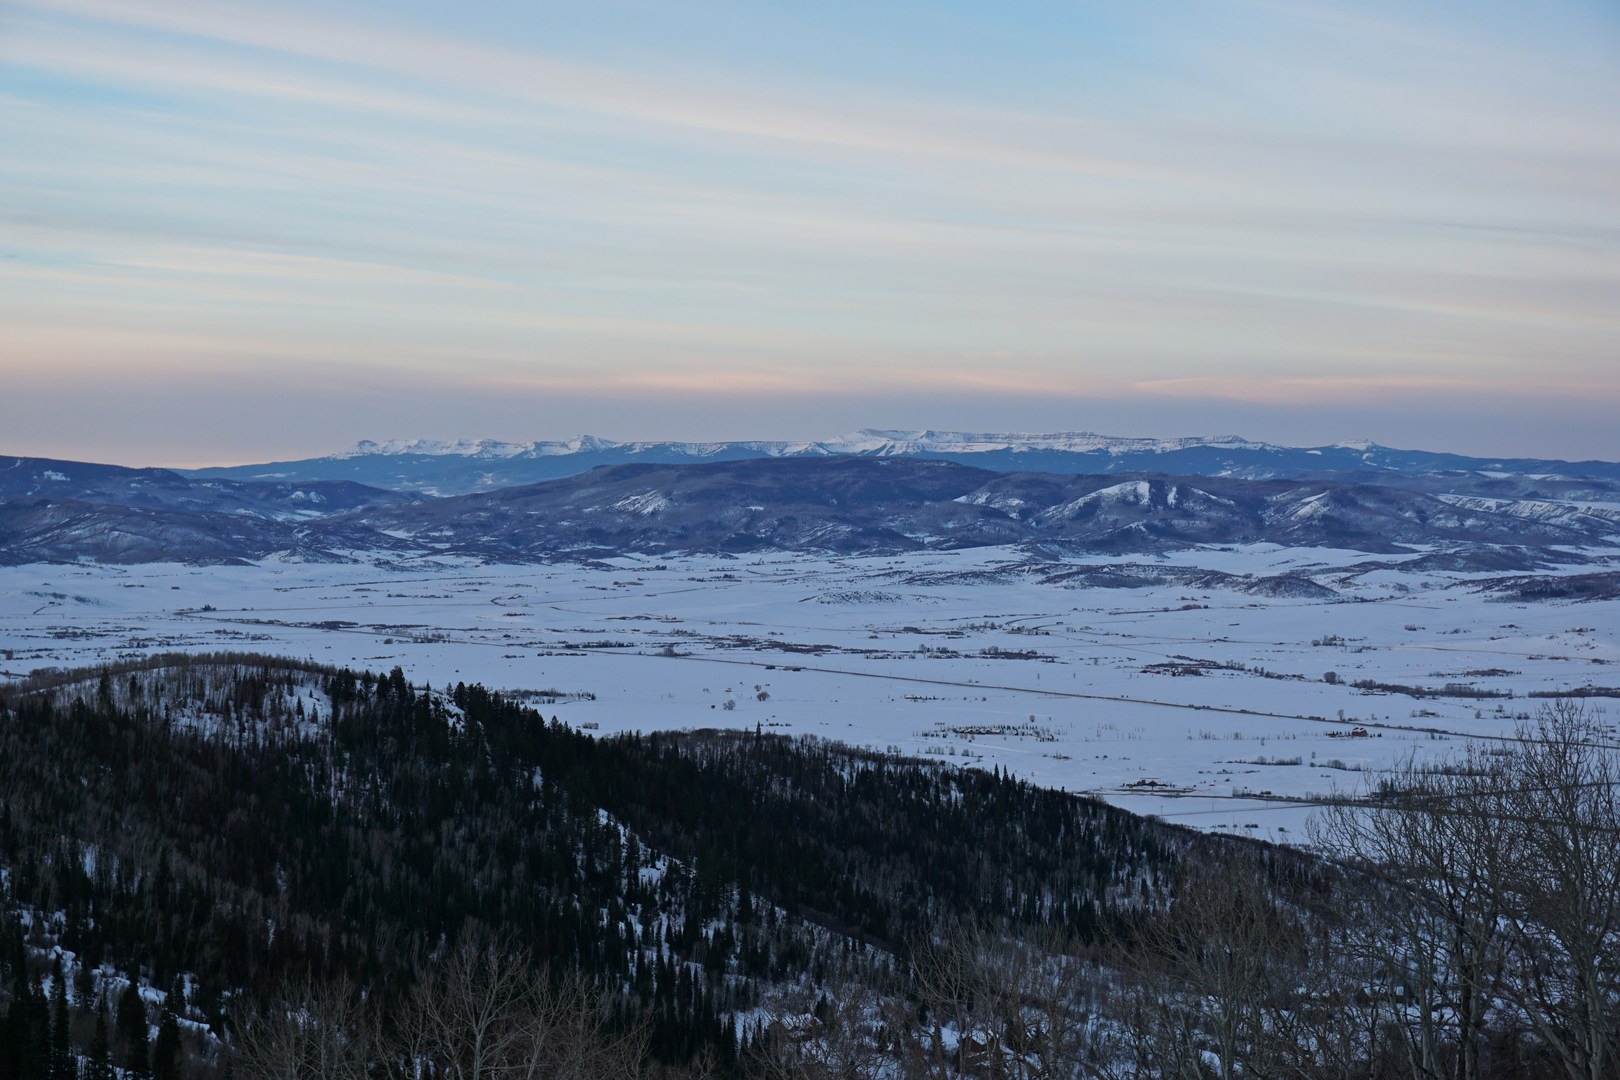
(1204, 705)
(880, 442)
(1538, 510)
(648, 502)
(1313, 507)
(870, 441)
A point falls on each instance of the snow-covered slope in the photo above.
(915, 443)
(454, 467)
(868, 503)
(868, 441)
(1592, 518)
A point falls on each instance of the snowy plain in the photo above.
(1205, 705)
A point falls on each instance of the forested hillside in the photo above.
(241, 865)
(211, 829)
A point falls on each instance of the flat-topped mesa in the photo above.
(482, 448)
(888, 441)
(877, 442)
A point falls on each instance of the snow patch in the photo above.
(1314, 507)
(648, 502)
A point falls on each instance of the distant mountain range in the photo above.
(62, 511)
(454, 468)
(895, 495)
(168, 489)
(897, 504)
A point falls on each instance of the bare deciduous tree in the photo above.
(840, 1041)
(309, 1032)
(481, 1011)
(1557, 874)
(1221, 964)
(999, 1006)
(1337, 1029)
(1429, 925)
(486, 1012)
(1498, 900)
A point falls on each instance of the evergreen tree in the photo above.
(31, 1030)
(84, 982)
(100, 1063)
(14, 1025)
(62, 1066)
(166, 1048)
(175, 1001)
(132, 1031)
(10, 1043)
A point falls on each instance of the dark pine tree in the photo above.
(166, 1048)
(30, 1032)
(62, 1065)
(99, 1065)
(132, 1033)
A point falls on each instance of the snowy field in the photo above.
(1204, 704)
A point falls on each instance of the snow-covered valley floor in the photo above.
(1203, 703)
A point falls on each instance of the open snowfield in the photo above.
(1201, 703)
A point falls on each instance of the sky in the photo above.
(235, 232)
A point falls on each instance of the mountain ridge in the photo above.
(887, 505)
(461, 466)
(877, 441)
(876, 503)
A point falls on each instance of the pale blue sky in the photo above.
(236, 232)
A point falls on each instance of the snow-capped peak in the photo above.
(436, 448)
(881, 441)
(878, 442)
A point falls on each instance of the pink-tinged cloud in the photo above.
(856, 125)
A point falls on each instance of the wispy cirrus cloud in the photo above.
(529, 79)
